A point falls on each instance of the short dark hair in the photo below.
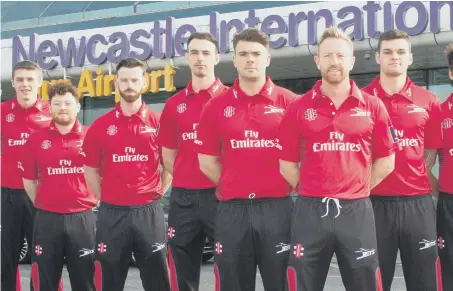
(392, 34)
(203, 36)
(449, 55)
(26, 65)
(61, 88)
(252, 35)
(130, 63)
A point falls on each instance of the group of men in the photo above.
(233, 156)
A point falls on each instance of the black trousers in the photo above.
(251, 233)
(56, 237)
(17, 223)
(445, 240)
(191, 219)
(322, 227)
(122, 230)
(408, 224)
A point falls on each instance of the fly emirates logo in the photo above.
(252, 140)
(64, 169)
(18, 142)
(190, 135)
(129, 156)
(405, 142)
(336, 144)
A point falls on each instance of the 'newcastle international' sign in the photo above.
(146, 43)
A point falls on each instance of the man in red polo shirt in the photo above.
(122, 168)
(445, 186)
(254, 213)
(53, 178)
(193, 203)
(343, 140)
(403, 206)
(21, 116)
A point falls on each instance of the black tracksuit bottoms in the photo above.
(251, 233)
(17, 223)
(191, 219)
(324, 226)
(408, 223)
(445, 238)
(58, 236)
(123, 230)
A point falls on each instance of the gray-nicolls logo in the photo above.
(426, 244)
(85, 252)
(157, 247)
(273, 109)
(40, 118)
(364, 253)
(19, 166)
(282, 248)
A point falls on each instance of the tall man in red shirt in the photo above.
(254, 213)
(53, 178)
(193, 203)
(21, 116)
(122, 168)
(342, 138)
(403, 206)
(445, 186)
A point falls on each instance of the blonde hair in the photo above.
(334, 32)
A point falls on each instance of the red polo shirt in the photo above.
(446, 156)
(242, 131)
(415, 114)
(17, 125)
(336, 147)
(55, 161)
(124, 150)
(177, 130)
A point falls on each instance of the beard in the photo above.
(63, 119)
(130, 96)
(333, 77)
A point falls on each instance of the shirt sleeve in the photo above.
(433, 127)
(207, 133)
(385, 141)
(28, 162)
(91, 148)
(167, 136)
(289, 136)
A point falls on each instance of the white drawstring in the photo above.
(337, 203)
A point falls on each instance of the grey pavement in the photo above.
(133, 282)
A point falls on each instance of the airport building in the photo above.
(81, 42)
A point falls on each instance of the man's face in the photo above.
(130, 82)
(394, 57)
(251, 60)
(335, 60)
(202, 56)
(26, 84)
(64, 109)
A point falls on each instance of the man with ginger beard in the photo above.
(122, 168)
(343, 140)
(53, 177)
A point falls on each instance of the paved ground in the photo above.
(207, 279)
